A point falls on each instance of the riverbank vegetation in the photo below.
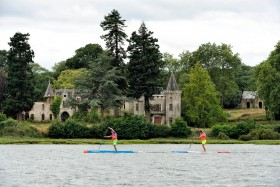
(134, 130)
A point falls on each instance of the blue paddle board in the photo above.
(108, 151)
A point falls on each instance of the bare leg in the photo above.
(115, 148)
(203, 146)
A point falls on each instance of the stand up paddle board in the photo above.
(109, 151)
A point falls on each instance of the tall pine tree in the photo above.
(144, 66)
(115, 38)
(20, 80)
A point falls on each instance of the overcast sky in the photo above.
(58, 27)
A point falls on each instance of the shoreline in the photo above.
(28, 140)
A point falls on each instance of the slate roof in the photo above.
(172, 84)
(250, 95)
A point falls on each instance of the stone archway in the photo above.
(64, 116)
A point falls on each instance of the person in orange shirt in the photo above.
(202, 137)
(114, 137)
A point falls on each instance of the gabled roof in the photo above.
(250, 95)
(172, 84)
(49, 91)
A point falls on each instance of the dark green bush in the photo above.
(74, 129)
(223, 136)
(129, 127)
(69, 129)
(98, 131)
(159, 131)
(3, 117)
(57, 130)
(234, 131)
(261, 134)
(8, 123)
(180, 129)
(277, 128)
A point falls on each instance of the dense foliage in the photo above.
(200, 99)
(19, 95)
(144, 66)
(268, 83)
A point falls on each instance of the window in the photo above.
(170, 107)
(32, 116)
(137, 107)
(43, 117)
(50, 116)
(170, 120)
(43, 106)
(157, 108)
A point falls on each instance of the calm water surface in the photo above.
(154, 165)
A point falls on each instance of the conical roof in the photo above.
(172, 84)
(49, 91)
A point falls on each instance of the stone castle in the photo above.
(166, 106)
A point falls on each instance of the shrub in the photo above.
(180, 129)
(223, 136)
(57, 130)
(234, 131)
(277, 128)
(75, 129)
(19, 129)
(3, 117)
(159, 131)
(261, 134)
(97, 131)
(129, 127)
(9, 122)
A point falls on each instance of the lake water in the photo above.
(153, 165)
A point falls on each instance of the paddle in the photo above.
(190, 145)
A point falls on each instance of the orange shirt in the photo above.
(202, 136)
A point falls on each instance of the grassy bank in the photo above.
(15, 140)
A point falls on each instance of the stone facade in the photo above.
(41, 111)
(250, 99)
(166, 106)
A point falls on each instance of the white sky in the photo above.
(58, 27)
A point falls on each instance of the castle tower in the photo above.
(49, 93)
(172, 100)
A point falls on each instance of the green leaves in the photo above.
(20, 81)
(200, 99)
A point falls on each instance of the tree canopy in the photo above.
(19, 95)
(144, 66)
(98, 86)
(268, 82)
(200, 99)
(84, 56)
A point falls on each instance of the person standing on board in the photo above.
(202, 137)
(114, 137)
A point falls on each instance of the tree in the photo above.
(19, 96)
(58, 68)
(55, 107)
(3, 58)
(115, 38)
(144, 66)
(268, 78)
(67, 78)
(42, 77)
(201, 101)
(84, 56)
(222, 66)
(98, 86)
